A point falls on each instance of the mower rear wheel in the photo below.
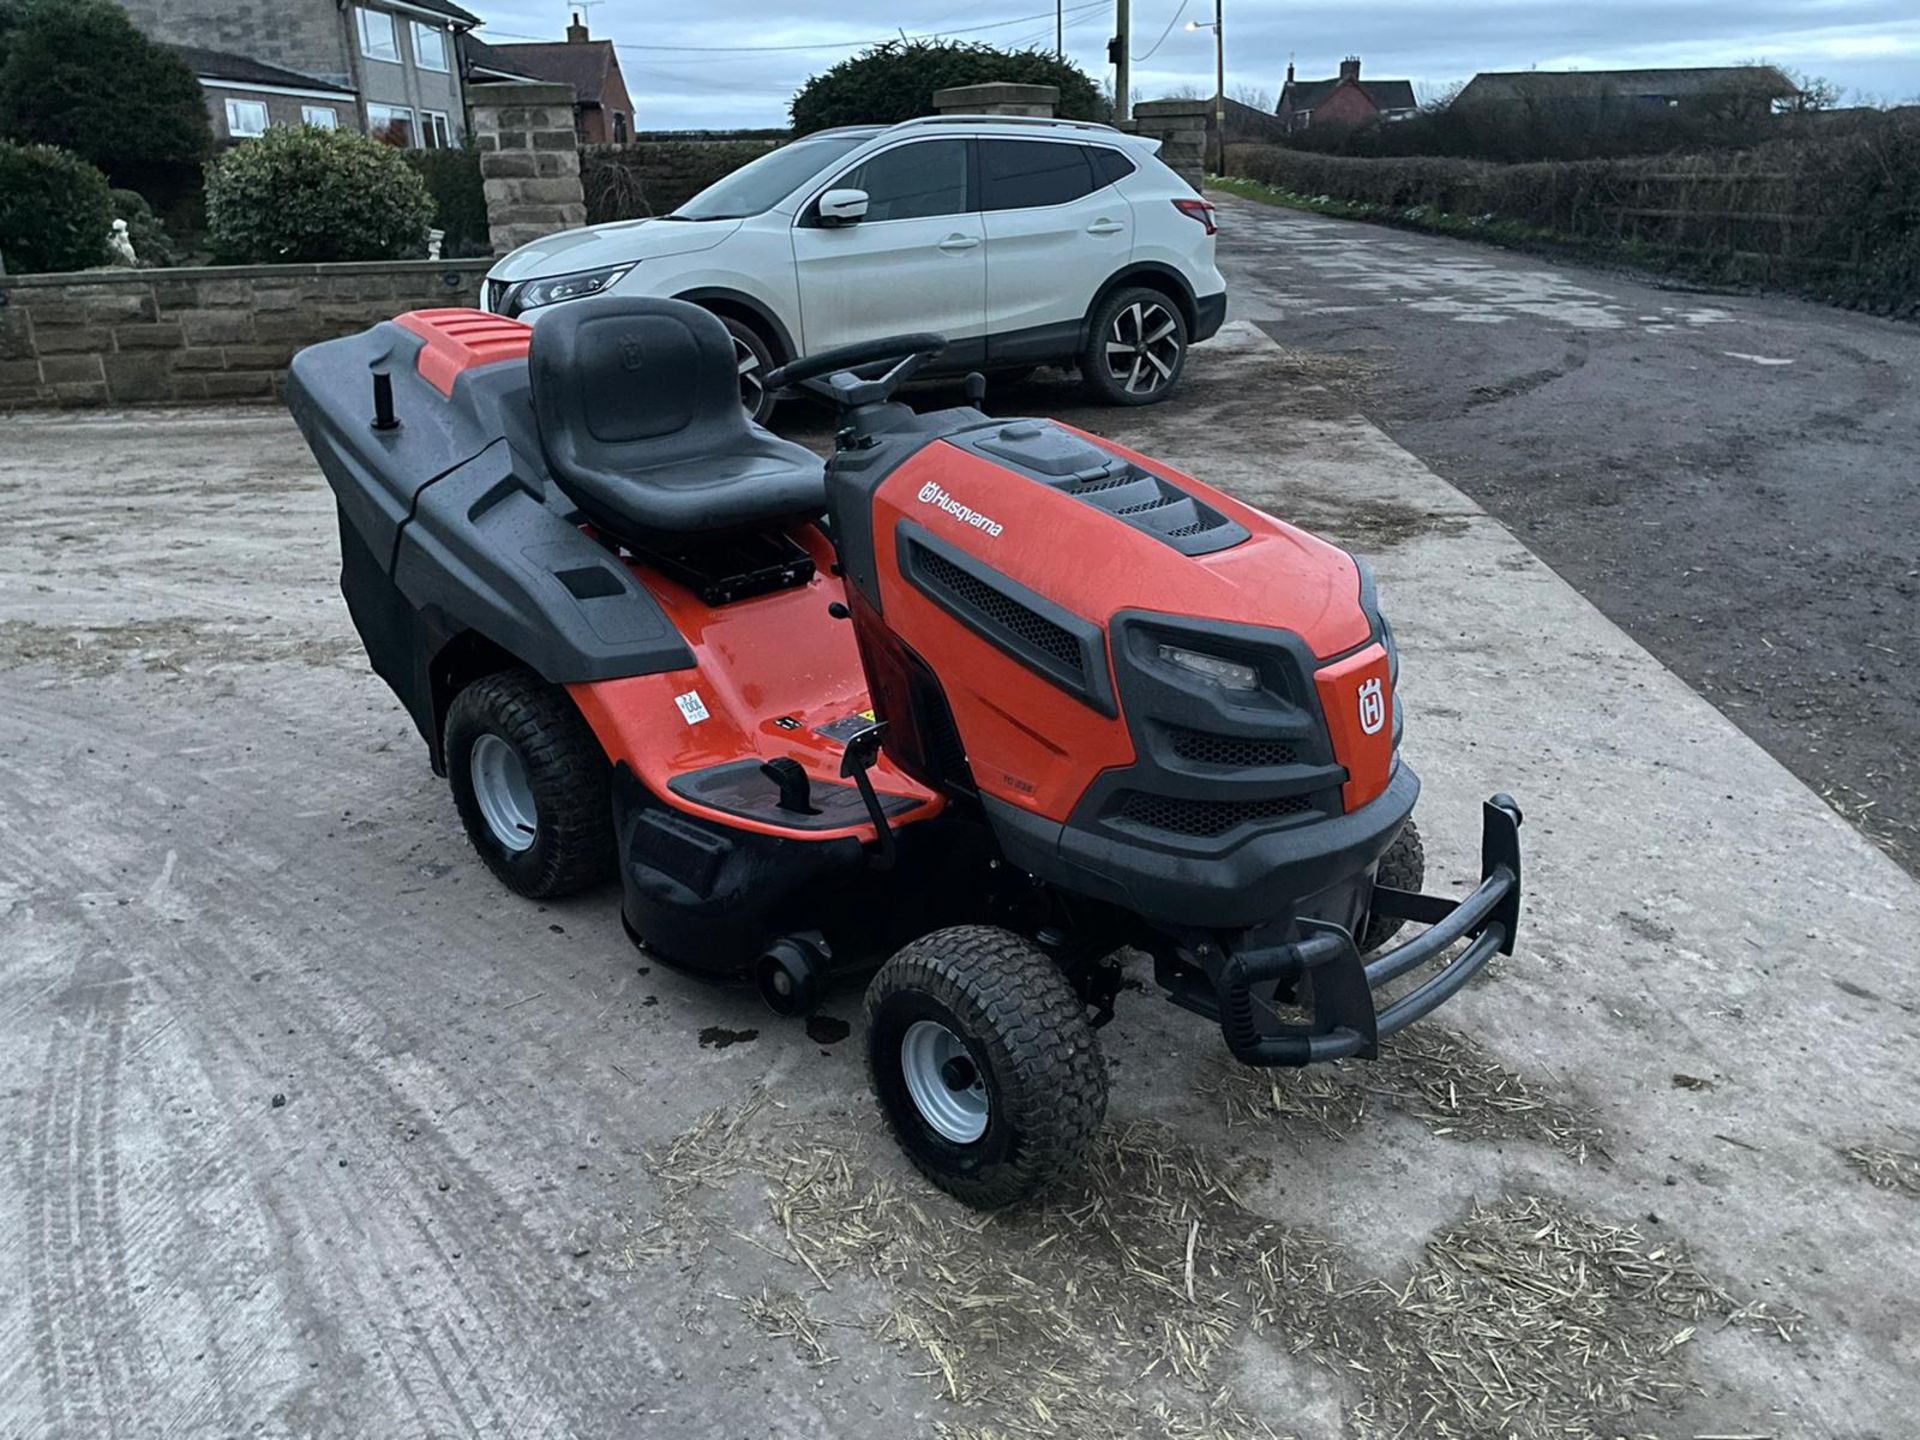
(1404, 867)
(531, 784)
(984, 1064)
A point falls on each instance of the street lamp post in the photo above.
(1218, 26)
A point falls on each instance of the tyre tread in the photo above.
(1403, 867)
(565, 766)
(1039, 1025)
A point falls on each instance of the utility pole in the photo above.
(1119, 52)
(1219, 28)
(1059, 29)
(1220, 79)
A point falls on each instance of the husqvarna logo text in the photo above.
(932, 494)
(1373, 707)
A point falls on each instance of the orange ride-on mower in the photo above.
(979, 703)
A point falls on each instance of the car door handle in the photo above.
(1105, 227)
(960, 242)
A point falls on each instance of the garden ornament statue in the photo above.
(121, 244)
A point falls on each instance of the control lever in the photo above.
(863, 748)
(796, 791)
(976, 389)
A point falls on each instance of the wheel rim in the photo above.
(947, 1087)
(753, 376)
(504, 796)
(1143, 347)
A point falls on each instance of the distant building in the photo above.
(602, 108)
(1744, 86)
(385, 67)
(245, 96)
(1343, 100)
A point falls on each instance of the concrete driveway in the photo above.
(1730, 478)
(317, 1131)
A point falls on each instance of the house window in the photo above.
(429, 47)
(246, 119)
(323, 116)
(377, 38)
(619, 127)
(435, 133)
(391, 123)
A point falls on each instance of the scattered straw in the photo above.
(785, 1315)
(1528, 1319)
(1122, 1304)
(1886, 1167)
(1446, 1081)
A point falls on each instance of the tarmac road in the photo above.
(1734, 480)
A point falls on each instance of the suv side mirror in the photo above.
(843, 207)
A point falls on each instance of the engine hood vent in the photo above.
(1057, 457)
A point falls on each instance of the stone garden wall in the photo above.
(118, 337)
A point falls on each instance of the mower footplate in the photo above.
(1346, 1022)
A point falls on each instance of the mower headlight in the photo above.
(1227, 674)
(555, 288)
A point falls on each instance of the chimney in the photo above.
(1289, 72)
(576, 32)
(1350, 69)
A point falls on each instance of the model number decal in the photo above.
(691, 706)
(932, 494)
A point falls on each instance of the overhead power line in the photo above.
(1166, 32)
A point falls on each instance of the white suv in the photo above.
(1023, 241)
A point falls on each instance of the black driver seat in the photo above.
(638, 404)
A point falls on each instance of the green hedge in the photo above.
(300, 193)
(56, 210)
(626, 182)
(897, 81)
(1838, 216)
(80, 75)
(459, 198)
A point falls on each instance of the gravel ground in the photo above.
(320, 1132)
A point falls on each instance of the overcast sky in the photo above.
(716, 64)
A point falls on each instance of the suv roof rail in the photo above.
(1039, 121)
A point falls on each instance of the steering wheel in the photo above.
(836, 373)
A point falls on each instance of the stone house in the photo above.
(389, 68)
(602, 108)
(1343, 100)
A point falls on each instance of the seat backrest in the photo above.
(622, 385)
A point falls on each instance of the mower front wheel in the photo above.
(1404, 867)
(531, 784)
(984, 1064)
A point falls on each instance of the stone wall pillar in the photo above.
(1181, 128)
(529, 161)
(997, 98)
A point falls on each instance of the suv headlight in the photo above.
(552, 289)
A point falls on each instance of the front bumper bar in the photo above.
(1345, 1020)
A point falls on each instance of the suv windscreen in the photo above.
(912, 182)
(764, 183)
(1026, 174)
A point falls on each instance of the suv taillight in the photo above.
(1198, 210)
